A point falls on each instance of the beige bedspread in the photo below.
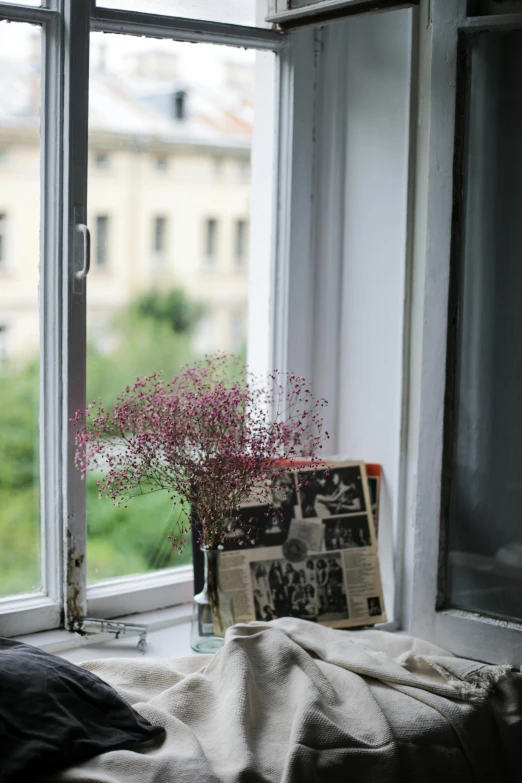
(291, 701)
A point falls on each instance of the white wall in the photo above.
(372, 279)
(340, 266)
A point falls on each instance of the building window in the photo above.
(3, 248)
(240, 244)
(101, 160)
(161, 162)
(180, 105)
(159, 239)
(102, 240)
(243, 169)
(211, 236)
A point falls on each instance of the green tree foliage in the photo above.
(19, 389)
(130, 540)
(172, 308)
(153, 333)
(19, 490)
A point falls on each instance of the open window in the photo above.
(258, 149)
(464, 416)
(112, 118)
(311, 190)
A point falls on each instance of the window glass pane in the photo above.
(163, 113)
(20, 60)
(485, 529)
(230, 11)
(493, 7)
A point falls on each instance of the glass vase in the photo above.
(212, 609)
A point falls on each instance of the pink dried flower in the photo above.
(213, 437)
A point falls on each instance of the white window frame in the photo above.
(66, 26)
(304, 202)
(41, 610)
(293, 13)
(170, 586)
(442, 24)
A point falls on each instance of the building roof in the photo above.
(19, 95)
(139, 107)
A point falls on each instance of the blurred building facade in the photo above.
(168, 195)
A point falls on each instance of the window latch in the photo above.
(89, 625)
(84, 232)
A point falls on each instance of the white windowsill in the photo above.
(168, 636)
(140, 593)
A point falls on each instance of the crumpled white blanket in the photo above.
(290, 701)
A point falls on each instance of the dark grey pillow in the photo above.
(54, 714)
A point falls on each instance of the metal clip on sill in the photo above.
(90, 625)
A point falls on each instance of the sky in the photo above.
(233, 11)
(196, 61)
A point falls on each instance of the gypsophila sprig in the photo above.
(214, 437)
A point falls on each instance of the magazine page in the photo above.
(316, 558)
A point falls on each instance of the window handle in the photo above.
(86, 250)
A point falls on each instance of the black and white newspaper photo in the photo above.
(346, 532)
(265, 525)
(312, 553)
(332, 491)
(312, 588)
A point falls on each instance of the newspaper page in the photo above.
(316, 558)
